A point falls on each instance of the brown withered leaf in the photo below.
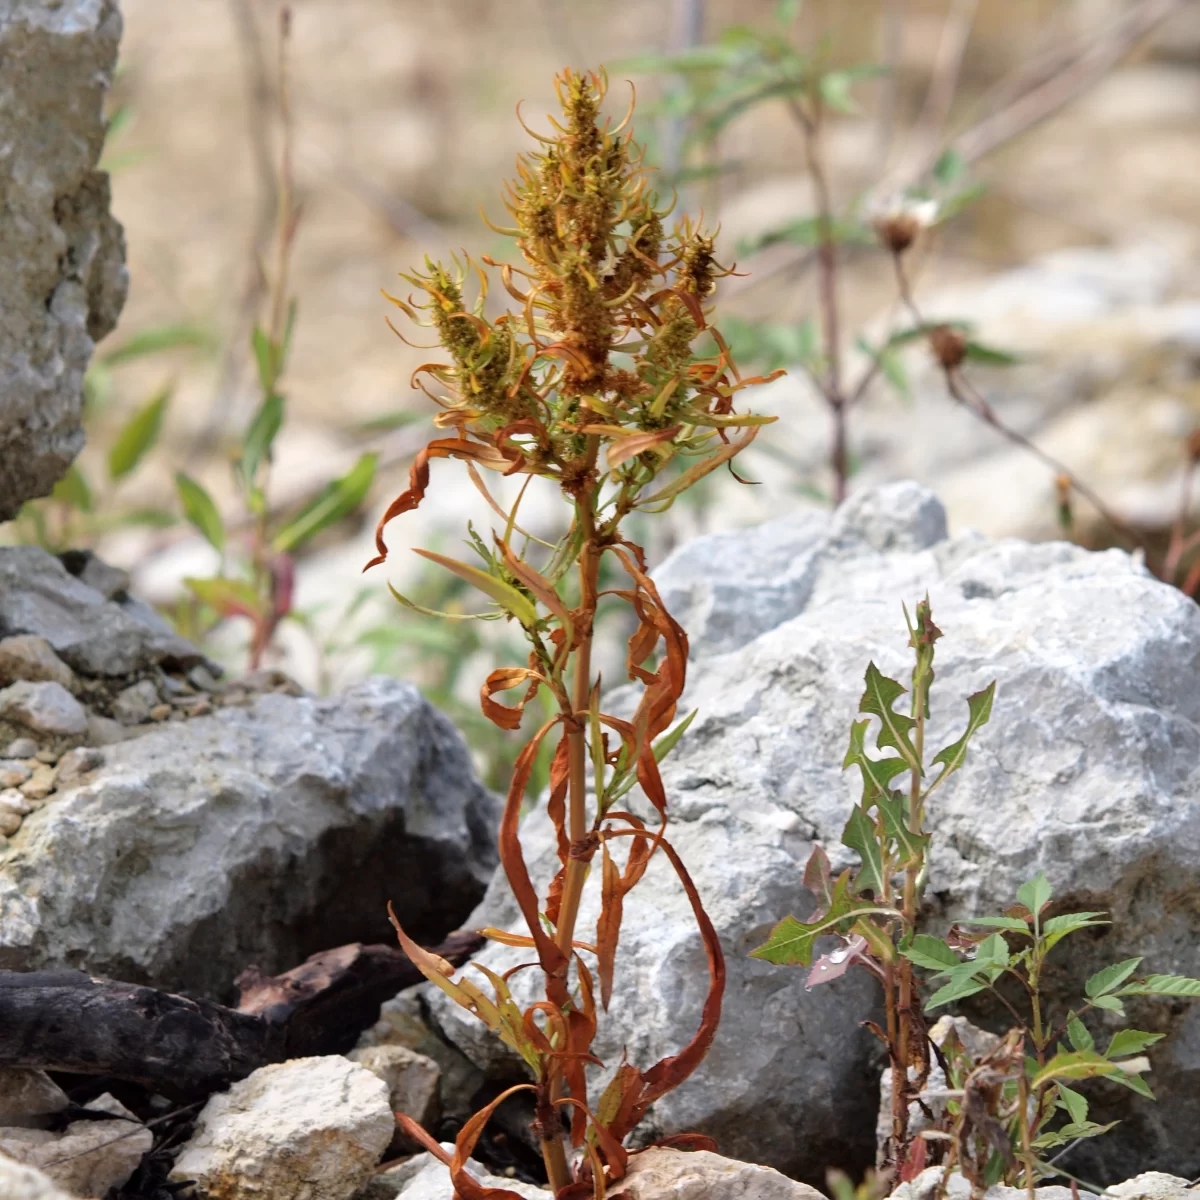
(501, 680)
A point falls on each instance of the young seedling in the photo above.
(595, 386)
(998, 1121)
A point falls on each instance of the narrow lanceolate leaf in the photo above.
(1162, 985)
(791, 941)
(504, 594)
(859, 835)
(979, 710)
(138, 436)
(256, 445)
(665, 744)
(336, 500)
(1110, 977)
(895, 728)
(931, 953)
(200, 510)
(1013, 923)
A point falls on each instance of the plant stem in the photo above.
(827, 267)
(553, 1151)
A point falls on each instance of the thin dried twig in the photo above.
(930, 129)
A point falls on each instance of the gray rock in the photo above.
(928, 1185)
(256, 835)
(22, 747)
(93, 635)
(19, 1182)
(1089, 771)
(28, 1096)
(29, 657)
(402, 1022)
(664, 1174)
(423, 1177)
(412, 1079)
(45, 708)
(61, 252)
(312, 1128)
(1154, 1185)
(88, 1158)
(134, 704)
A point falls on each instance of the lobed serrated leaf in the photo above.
(979, 712)
(860, 836)
(912, 846)
(894, 728)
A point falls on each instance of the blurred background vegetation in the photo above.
(403, 127)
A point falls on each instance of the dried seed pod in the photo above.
(949, 346)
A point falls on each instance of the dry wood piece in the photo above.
(184, 1048)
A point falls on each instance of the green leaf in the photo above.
(504, 594)
(667, 742)
(256, 446)
(1109, 1002)
(1131, 1041)
(912, 846)
(159, 338)
(1035, 894)
(1074, 1103)
(877, 773)
(227, 597)
(956, 989)
(1078, 1035)
(791, 942)
(810, 231)
(73, 490)
(199, 509)
(337, 500)
(881, 693)
(835, 87)
(139, 434)
(979, 711)
(1057, 928)
(1078, 1064)
(267, 357)
(931, 953)
(992, 952)
(1162, 985)
(978, 352)
(1110, 977)
(950, 167)
(1013, 923)
(859, 835)
(786, 11)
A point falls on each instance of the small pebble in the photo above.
(77, 763)
(204, 679)
(21, 747)
(46, 755)
(134, 705)
(10, 820)
(41, 784)
(160, 712)
(11, 798)
(45, 707)
(13, 773)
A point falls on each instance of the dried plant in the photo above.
(608, 382)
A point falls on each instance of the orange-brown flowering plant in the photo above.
(607, 380)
